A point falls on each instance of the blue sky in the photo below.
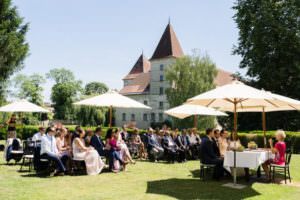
(101, 40)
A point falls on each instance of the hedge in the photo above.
(292, 138)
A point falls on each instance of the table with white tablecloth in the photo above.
(247, 159)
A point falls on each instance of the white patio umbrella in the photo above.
(292, 104)
(186, 110)
(231, 96)
(112, 99)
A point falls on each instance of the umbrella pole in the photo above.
(110, 116)
(264, 127)
(195, 121)
(22, 124)
(234, 150)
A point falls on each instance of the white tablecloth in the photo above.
(247, 159)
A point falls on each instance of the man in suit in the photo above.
(182, 142)
(215, 142)
(153, 146)
(170, 147)
(124, 134)
(49, 151)
(209, 156)
(109, 152)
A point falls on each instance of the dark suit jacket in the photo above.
(165, 143)
(216, 148)
(98, 144)
(207, 151)
(182, 141)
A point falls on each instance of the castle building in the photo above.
(146, 83)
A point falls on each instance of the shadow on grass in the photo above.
(196, 189)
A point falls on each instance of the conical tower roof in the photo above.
(142, 65)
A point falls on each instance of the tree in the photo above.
(95, 88)
(190, 76)
(269, 44)
(13, 47)
(30, 87)
(88, 115)
(64, 92)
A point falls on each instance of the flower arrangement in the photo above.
(252, 145)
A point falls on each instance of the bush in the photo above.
(292, 138)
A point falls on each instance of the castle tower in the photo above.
(167, 50)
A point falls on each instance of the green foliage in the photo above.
(64, 92)
(88, 115)
(269, 44)
(95, 88)
(13, 47)
(30, 87)
(190, 76)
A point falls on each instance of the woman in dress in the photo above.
(11, 130)
(278, 150)
(234, 141)
(124, 151)
(223, 143)
(136, 140)
(93, 161)
(62, 146)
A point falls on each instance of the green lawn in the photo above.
(144, 180)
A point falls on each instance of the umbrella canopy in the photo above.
(112, 99)
(231, 96)
(22, 106)
(186, 110)
(236, 93)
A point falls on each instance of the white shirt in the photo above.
(37, 136)
(193, 138)
(48, 145)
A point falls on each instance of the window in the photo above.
(161, 91)
(123, 116)
(153, 117)
(146, 102)
(145, 117)
(161, 78)
(160, 116)
(161, 67)
(132, 117)
(161, 105)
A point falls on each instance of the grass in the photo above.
(145, 180)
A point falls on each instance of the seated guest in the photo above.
(49, 151)
(89, 136)
(170, 147)
(60, 141)
(105, 150)
(125, 155)
(278, 150)
(156, 131)
(93, 161)
(160, 136)
(223, 143)
(183, 143)
(180, 149)
(68, 138)
(234, 141)
(124, 134)
(195, 142)
(38, 136)
(154, 146)
(136, 140)
(209, 156)
(215, 142)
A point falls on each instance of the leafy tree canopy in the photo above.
(190, 76)
(13, 47)
(95, 88)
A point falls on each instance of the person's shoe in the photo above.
(114, 171)
(59, 174)
(155, 161)
(132, 162)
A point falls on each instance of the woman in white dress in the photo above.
(124, 151)
(223, 143)
(93, 161)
